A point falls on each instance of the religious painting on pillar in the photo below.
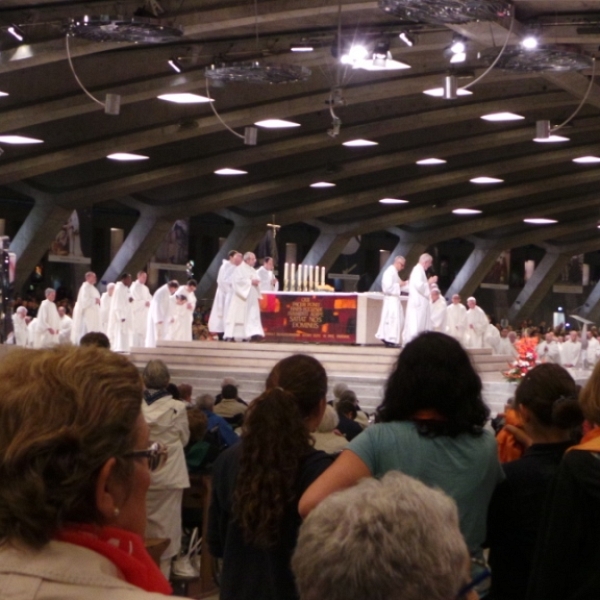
(174, 249)
(573, 277)
(498, 276)
(68, 245)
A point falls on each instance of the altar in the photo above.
(325, 317)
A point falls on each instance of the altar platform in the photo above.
(203, 364)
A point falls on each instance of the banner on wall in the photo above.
(498, 275)
(66, 246)
(174, 249)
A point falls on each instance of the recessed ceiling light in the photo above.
(3, 94)
(322, 184)
(301, 48)
(18, 139)
(185, 98)
(466, 211)
(228, 171)
(540, 221)
(486, 180)
(359, 143)
(502, 116)
(551, 139)
(125, 156)
(392, 201)
(276, 124)
(586, 160)
(431, 161)
(439, 92)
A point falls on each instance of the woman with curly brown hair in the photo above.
(254, 521)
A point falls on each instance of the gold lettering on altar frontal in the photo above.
(305, 313)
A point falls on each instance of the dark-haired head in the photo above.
(434, 373)
(549, 393)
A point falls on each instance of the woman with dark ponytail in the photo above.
(547, 402)
(254, 520)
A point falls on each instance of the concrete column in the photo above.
(476, 267)
(591, 307)
(141, 243)
(538, 286)
(243, 238)
(330, 255)
(35, 236)
(322, 245)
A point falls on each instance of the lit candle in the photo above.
(310, 278)
(293, 278)
(322, 275)
(285, 276)
(306, 278)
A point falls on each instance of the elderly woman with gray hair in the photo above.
(168, 422)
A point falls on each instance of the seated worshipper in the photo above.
(20, 320)
(254, 521)
(567, 555)
(95, 338)
(347, 412)
(75, 464)
(230, 408)
(196, 449)
(168, 422)
(327, 437)
(225, 435)
(546, 400)
(403, 543)
(185, 391)
(362, 418)
(228, 381)
(431, 426)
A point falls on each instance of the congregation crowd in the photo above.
(311, 499)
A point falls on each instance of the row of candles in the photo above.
(302, 278)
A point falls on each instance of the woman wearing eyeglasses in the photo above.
(75, 461)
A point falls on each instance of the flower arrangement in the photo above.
(526, 360)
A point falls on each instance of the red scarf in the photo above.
(124, 549)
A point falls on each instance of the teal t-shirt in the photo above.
(466, 467)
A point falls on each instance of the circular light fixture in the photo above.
(359, 143)
(322, 184)
(502, 116)
(586, 160)
(392, 201)
(185, 98)
(466, 211)
(486, 180)
(540, 221)
(18, 139)
(439, 92)
(228, 171)
(552, 139)
(276, 124)
(530, 42)
(431, 161)
(126, 156)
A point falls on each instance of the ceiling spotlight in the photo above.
(552, 139)
(228, 171)
(175, 65)
(18, 139)
(356, 52)
(3, 94)
(431, 161)
(439, 92)
(359, 143)
(16, 32)
(276, 124)
(587, 160)
(322, 184)
(450, 88)
(502, 116)
(466, 211)
(486, 180)
(458, 47)
(392, 201)
(538, 221)
(459, 57)
(126, 156)
(407, 39)
(530, 42)
(185, 98)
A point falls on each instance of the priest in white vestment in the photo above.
(477, 323)
(243, 317)
(439, 311)
(140, 307)
(19, 321)
(105, 301)
(592, 350)
(66, 324)
(491, 338)
(548, 351)
(456, 319)
(86, 314)
(159, 314)
(268, 281)
(506, 344)
(48, 322)
(392, 313)
(218, 311)
(418, 307)
(179, 328)
(119, 318)
(570, 351)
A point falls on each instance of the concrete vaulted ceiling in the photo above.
(186, 144)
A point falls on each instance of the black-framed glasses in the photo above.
(156, 454)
